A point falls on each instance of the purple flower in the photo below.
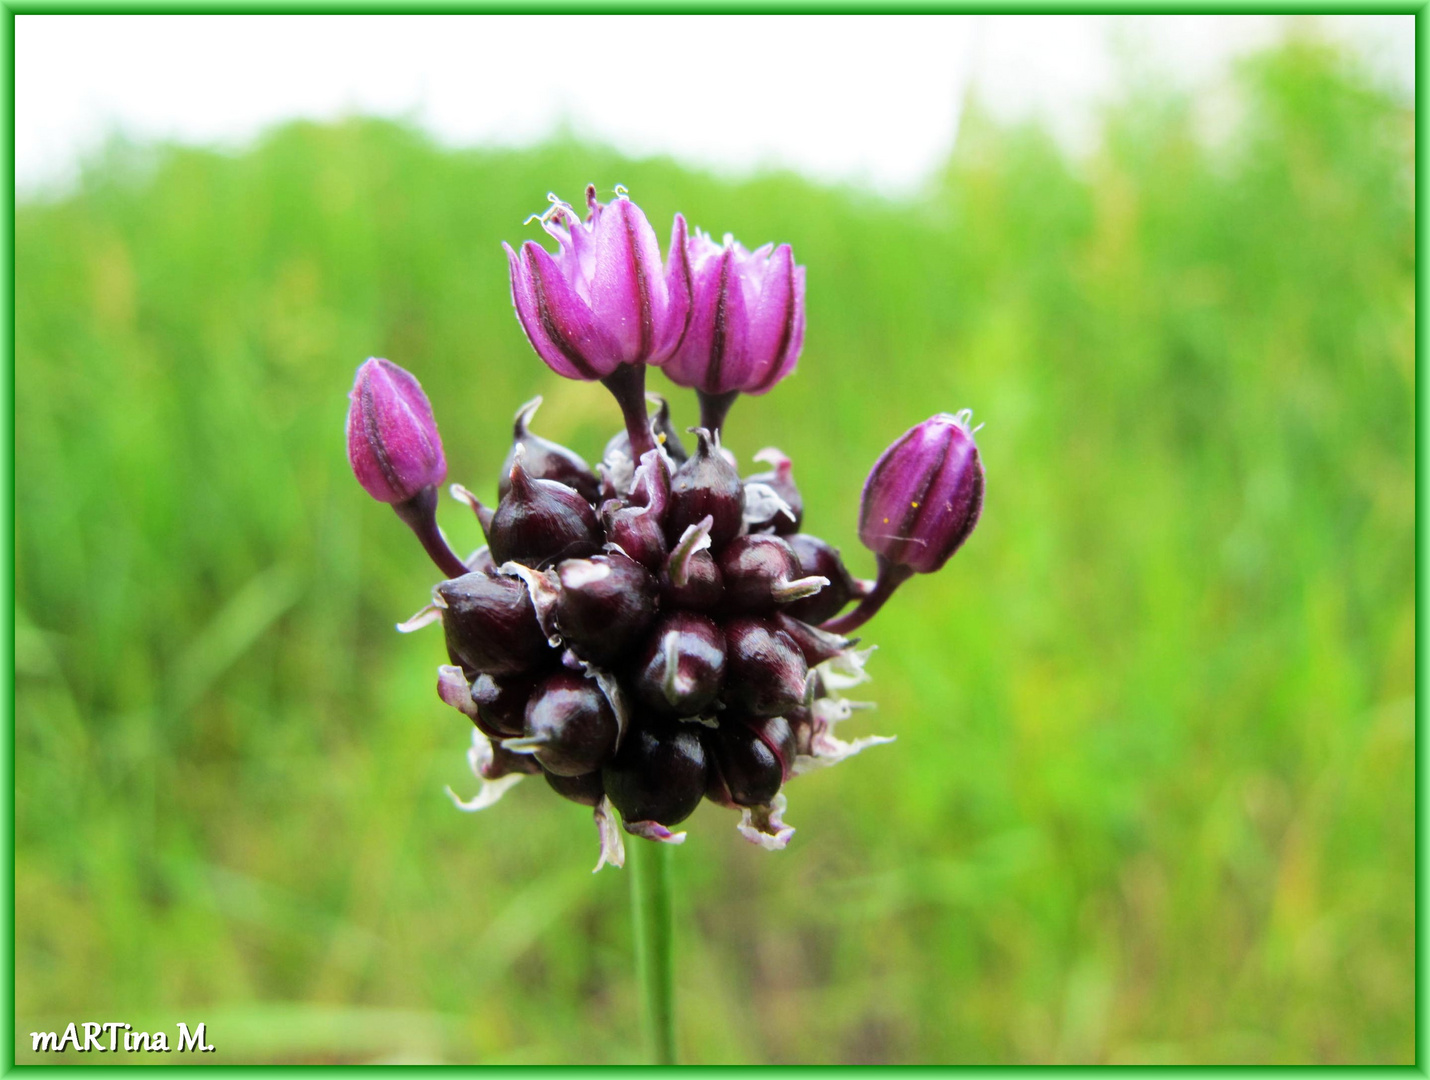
(921, 501)
(603, 299)
(924, 494)
(393, 444)
(746, 324)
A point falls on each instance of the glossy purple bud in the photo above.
(747, 762)
(746, 324)
(923, 497)
(815, 645)
(604, 605)
(539, 521)
(636, 531)
(818, 558)
(681, 667)
(766, 671)
(544, 459)
(636, 524)
(501, 704)
(659, 774)
(772, 501)
(490, 625)
(665, 433)
(570, 729)
(762, 571)
(603, 298)
(588, 790)
(393, 445)
(706, 484)
(701, 586)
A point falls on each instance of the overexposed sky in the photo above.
(868, 99)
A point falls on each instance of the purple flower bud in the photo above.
(636, 531)
(681, 667)
(541, 520)
(490, 625)
(605, 603)
(570, 728)
(747, 761)
(586, 790)
(767, 672)
(501, 704)
(636, 524)
(706, 484)
(814, 644)
(603, 299)
(783, 513)
(701, 586)
(817, 558)
(658, 774)
(762, 571)
(544, 459)
(746, 324)
(923, 495)
(393, 444)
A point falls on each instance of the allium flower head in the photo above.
(659, 631)
(603, 299)
(393, 445)
(747, 320)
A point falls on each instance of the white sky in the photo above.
(871, 99)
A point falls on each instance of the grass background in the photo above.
(1152, 798)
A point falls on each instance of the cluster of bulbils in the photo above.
(657, 630)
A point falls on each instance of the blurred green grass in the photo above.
(1152, 798)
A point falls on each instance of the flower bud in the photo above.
(544, 459)
(700, 585)
(605, 603)
(746, 324)
(501, 704)
(393, 445)
(748, 762)
(680, 669)
(815, 645)
(818, 558)
(924, 494)
(762, 571)
(603, 299)
(570, 727)
(772, 501)
(636, 524)
(636, 531)
(706, 484)
(586, 790)
(658, 774)
(767, 672)
(490, 625)
(538, 521)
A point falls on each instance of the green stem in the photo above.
(650, 911)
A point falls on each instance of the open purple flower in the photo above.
(746, 325)
(603, 306)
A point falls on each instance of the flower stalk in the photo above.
(655, 958)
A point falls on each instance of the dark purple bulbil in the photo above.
(657, 630)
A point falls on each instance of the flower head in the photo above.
(603, 299)
(924, 495)
(747, 318)
(393, 445)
